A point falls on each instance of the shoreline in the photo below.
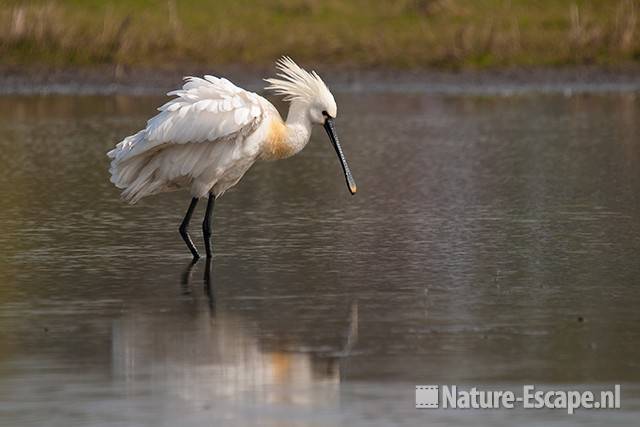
(109, 80)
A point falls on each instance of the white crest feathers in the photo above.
(297, 84)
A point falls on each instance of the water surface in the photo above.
(493, 242)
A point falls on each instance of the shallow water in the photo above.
(493, 242)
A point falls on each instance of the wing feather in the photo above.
(205, 109)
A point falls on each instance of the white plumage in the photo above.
(205, 111)
(210, 134)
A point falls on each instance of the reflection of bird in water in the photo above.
(206, 138)
(185, 281)
(208, 354)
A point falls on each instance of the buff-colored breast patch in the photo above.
(276, 146)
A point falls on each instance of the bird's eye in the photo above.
(326, 115)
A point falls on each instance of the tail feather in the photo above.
(131, 172)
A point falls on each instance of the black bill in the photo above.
(331, 131)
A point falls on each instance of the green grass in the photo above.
(357, 33)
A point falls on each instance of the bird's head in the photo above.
(299, 85)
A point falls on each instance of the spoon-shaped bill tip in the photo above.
(353, 188)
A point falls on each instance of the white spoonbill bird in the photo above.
(210, 134)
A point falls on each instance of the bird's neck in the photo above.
(298, 126)
(287, 138)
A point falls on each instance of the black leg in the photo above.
(184, 229)
(206, 224)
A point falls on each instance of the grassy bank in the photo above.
(358, 33)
